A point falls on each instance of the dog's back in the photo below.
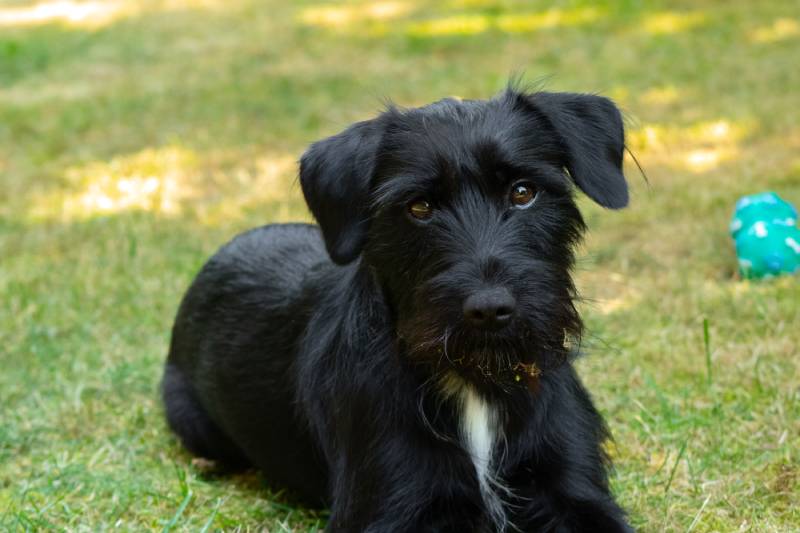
(235, 336)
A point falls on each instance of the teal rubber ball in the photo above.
(764, 230)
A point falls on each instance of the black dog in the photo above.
(408, 361)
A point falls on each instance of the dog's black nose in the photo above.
(489, 308)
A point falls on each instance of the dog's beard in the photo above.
(516, 355)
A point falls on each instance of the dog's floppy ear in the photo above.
(591, 130)
(335, 174)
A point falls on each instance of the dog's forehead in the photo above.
(458, 120)
(461, 131)
(459, 140)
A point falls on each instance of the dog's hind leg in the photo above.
(189, 420)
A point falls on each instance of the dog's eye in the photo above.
(523, 194)
(420, 209)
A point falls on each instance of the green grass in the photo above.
(134, 142)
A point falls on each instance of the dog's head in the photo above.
(464, 212)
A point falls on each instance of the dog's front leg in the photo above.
(402, 485)
(398, 503)
(560, 512)
(562, 484)
(569, 494)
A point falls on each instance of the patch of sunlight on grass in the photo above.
(455, 25)
(697, 148)
(169, 181)
(620, 94)
(334, 17)
(705, 159)
(668, 22)
(166, 5)
(552, 18)
(155, 180)
(663, 95)
(703, 134)
(718, 130)
(91, 14)
(780, 29)
(471, 3)
(83, 14)
(515, 23)
(270, 180)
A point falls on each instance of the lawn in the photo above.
(138, 136)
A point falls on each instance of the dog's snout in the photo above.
(489, 308)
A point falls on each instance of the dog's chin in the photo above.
(497, 360)
(482, 370)
(492, 368)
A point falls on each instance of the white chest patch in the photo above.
(480, 427)
(479, 432)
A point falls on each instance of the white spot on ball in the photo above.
(793, 244)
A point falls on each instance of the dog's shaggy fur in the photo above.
(408, 361)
